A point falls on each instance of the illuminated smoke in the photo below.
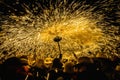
(82, 30)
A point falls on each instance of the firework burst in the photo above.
(81, 28)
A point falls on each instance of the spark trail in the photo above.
(82, 29)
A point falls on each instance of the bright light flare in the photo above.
(76, 23)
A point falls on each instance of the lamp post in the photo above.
(58, 39)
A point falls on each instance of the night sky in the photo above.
(111, 10)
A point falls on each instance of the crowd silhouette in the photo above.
(85, 68)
